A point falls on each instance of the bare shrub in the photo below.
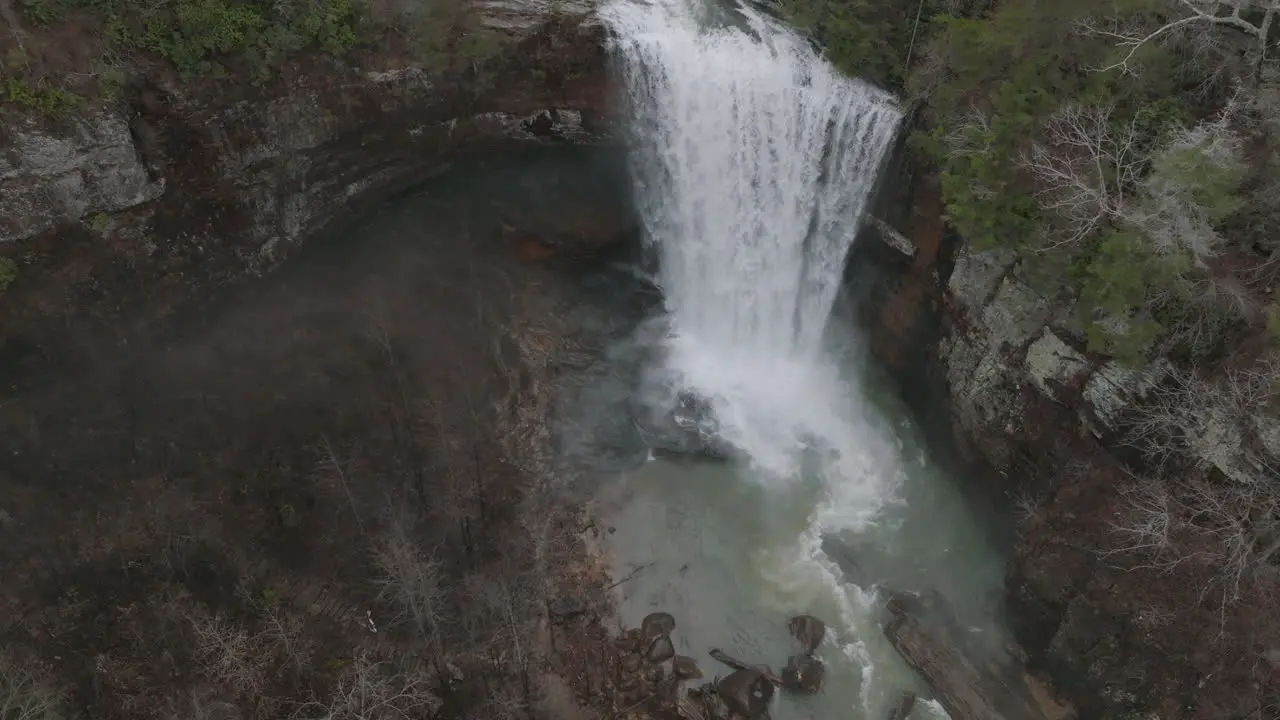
(1195, 419)
(1146, 524)
(371, 690)
(25, 696)
(244, 659)
(229, 654)
(1232, 529)
(1219, 504)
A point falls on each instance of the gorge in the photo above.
(753, 161)
(331, 362)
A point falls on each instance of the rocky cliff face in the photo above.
(1122, 636)
(114, 215)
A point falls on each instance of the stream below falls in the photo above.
(733, 550)
(752, 161)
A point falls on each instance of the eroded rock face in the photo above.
(91, 167)
(1028, 399)
(183, 185)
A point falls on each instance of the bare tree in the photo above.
(412, 580)
(1146, 524)
(372, 690)
(1195, 419)
(1201, 16)
(1220, 502)
(1084, 168)
(230, 654)
(1230, 528)
(25, 696)
(1190, 188)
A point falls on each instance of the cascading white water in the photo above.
(753, 159)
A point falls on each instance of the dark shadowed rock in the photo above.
(655, 624)
(808, 631)
(803, 674)
(746, 693)
(685, 667)
(629, 641)
(660, 650)
(713, 707)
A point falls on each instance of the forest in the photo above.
(1127, 153)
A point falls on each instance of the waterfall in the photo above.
(753, 160)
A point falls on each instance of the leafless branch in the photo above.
(1168, 209)
(372, 690)
(1200, 15)
(1084, 168)
(24, 696)
(411, 580)
(229, 654)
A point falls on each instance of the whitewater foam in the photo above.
(754, 159)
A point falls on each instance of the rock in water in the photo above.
(656, 624)
(808, 630)
(685, 667)
(803, 674)
(687, 430)
(746, 692)
(660, 650)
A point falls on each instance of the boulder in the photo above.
(660, 650)
(803, 674)
(808, 630)
(656, 624)
(686, 429)
(685, 667)
(746, 693)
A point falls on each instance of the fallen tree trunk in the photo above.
(971, 683)
(737, 664)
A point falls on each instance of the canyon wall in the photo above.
(1047, 425)
(118, 210)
